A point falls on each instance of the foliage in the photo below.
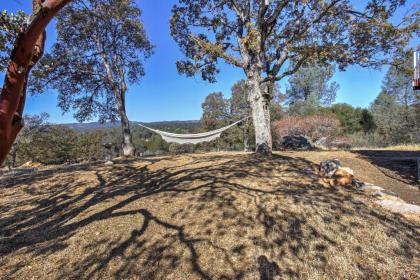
(50, 145)
(395, 122)
(367, 122)
(10, 24)
(365, 140)
(264, 35)
(349, 116)
(176, 148)
(398, 85)
(308, 107)
(100, 46)
(239, 104)
(23, 144)
(88, 146)
(312, 82)
(398, 81)
(215, 111)
(315, 127)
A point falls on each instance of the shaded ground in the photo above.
(400, 165)
(210, 216)
(376, 167)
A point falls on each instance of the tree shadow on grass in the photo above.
(398, 165)
(207, 216)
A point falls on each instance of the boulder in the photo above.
(399, 207)
(370, 188)
(292, 142)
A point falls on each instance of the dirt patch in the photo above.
(210, 216)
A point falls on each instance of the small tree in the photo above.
(398, 80)
(349, 116)
(391, 121)
(271, 40)
(101, 46)
(24, 144)
(241, 109)
(312, 81)
(367, 122)
(216, 111)
(398, 83)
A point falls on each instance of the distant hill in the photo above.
(169, 125)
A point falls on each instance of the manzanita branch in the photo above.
(28, 49)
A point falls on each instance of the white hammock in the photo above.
(191, 138)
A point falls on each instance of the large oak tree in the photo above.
(271, 40)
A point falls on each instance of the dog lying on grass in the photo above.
(333, 174)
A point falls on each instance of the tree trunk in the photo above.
(119, 91)
(261, 117)
(246, 137)
(27, 51)
(127, 142)
(14, 155)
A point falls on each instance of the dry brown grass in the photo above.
(210, 216)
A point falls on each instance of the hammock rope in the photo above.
(191, 138)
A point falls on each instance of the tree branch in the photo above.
(23, 57)
(217, 50)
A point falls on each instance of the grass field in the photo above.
(208, 216)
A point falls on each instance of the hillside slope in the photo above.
(208, 216)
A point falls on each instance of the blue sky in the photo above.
(163, 94)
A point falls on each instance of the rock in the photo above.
(391, 201)
(370, 188)
(108, 163)
(296, 143)
(400, 207)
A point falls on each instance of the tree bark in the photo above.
(119, 91)
(261, 116)
(246, 136)
(27, 51)
(127, 143)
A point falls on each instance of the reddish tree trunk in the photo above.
(28, 49)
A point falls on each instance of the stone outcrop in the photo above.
(292, 142)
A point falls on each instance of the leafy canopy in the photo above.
(275, 38)
(9, 29)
